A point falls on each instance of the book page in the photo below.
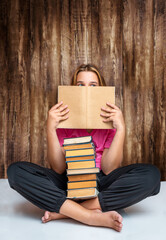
(97, 98)
(75, 98)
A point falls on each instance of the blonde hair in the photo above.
(85, 68)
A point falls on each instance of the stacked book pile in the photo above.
(81, 168)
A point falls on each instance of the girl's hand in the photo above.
(56, 114)
(114, 114)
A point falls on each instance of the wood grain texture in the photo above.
(138, 80)
(160, 86)
(42, 43)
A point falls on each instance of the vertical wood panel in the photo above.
(45, 71)
(42, 42)
(138, 80)
(110, 35)
(67, 41)
(16, 92)
(81, 29)
(160, 85)
(3, 88)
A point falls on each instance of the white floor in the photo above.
(21, 220)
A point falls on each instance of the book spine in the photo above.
(77, 145)
(78, 149)
(68, 171)
(69, 144)
(82, 156)
(83, 177)
(75, 150)
(80, 188)
(81, 160)
(83, 181)
(77, 138)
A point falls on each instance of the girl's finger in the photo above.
(56, 106)
(112, 105)
(60, 109)
(64, 112)
(106, 110)
(64, 117)
(113, 111)
(108, 119)
(107, 114)
(109, 110)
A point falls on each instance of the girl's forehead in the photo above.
(87, 75)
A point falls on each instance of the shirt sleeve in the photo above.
(61, 134)
(109, 138)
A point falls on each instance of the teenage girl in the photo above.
(119, 187)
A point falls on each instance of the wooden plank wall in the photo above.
(41, 44)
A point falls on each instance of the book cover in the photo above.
(77, 140)
(79, 146)
(81, 164)
(82, 177)
(85, 106)
(85, 193)
(83, 158)
(79, 160)
(82, 184)
(82, 171)
(80, 152)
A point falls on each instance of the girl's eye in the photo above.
(80, 84)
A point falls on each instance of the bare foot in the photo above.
(109, 219)
(48, 216)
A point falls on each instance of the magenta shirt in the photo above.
(102, 138)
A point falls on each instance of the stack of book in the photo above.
(81, 167)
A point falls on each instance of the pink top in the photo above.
(102, 138)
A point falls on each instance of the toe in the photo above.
(117, 224)
(43, 219)
(118, 227)
(118, 217)
(46, 215)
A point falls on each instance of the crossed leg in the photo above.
(92, 204)
(44, 188)
(122, 188)
(94, 217)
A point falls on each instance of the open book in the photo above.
(85, 105)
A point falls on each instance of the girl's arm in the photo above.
(56, 154)
(112, 157)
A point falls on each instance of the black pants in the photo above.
(120, 189)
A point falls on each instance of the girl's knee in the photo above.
(12, 172)
(154, 174)
(152, 180)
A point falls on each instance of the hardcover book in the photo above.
(83, 158)
(77, 140)
(80, 152)
(82, 171)
(85, 105)
(82, 184)
(81, 164)
(79, 146)
(84, 193)
(83, 177)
